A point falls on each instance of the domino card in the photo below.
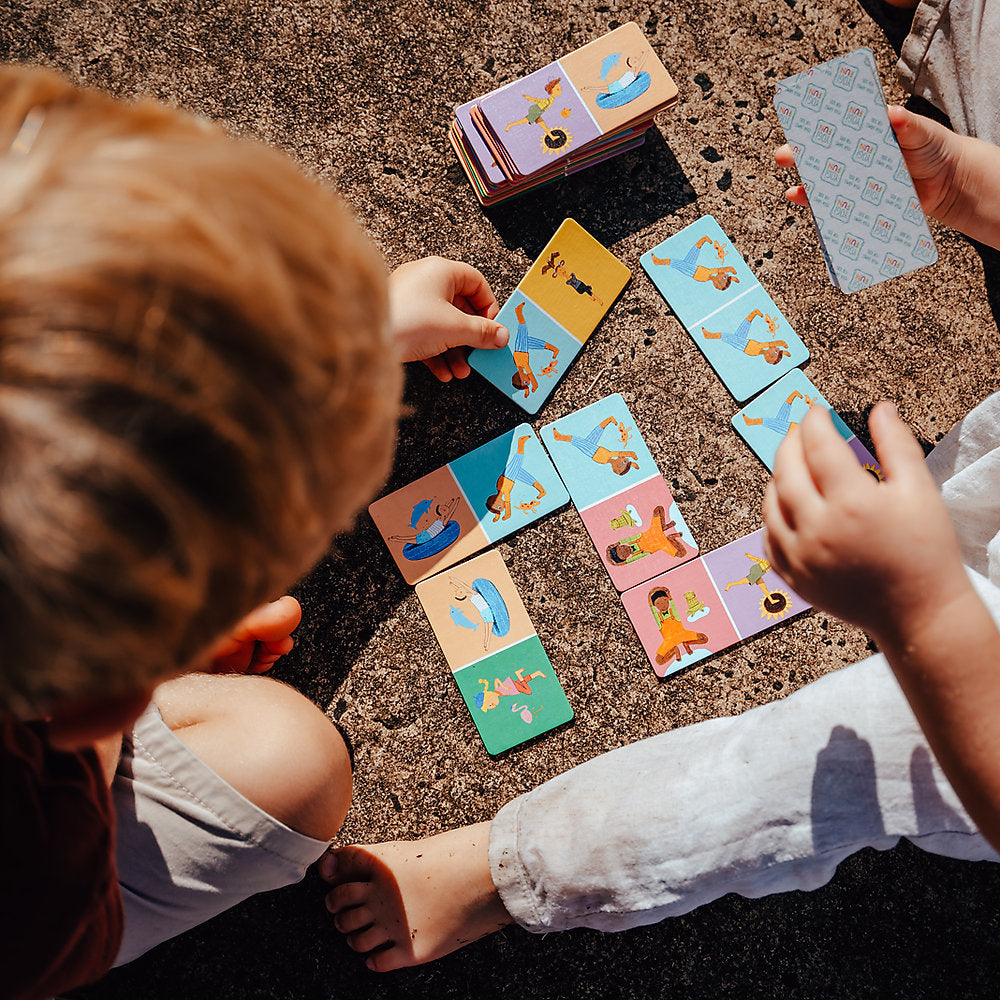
(495, 655)
(624, 502)
(869, 219)
(553, 311)
(705, 606)
(453, 512)
(735, 323)
(764, 422)
(607, 85)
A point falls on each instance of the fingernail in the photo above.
(502, 336)
(328, 865)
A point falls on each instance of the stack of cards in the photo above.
(495, 655)
(619, 492)
(588, 106)
(705, 606)
(764, 423)
(734, 322)
(552, 312)
(447, 515)
(871, 226)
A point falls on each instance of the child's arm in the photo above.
(436, 308)
(957, 177)
(884, 556)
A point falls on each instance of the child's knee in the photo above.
(269, 742)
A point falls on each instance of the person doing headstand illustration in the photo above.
(758, 568)
(514, 472)
(721, 277)
(558, 269)
(656, 538)
(781, 423)
(772, 351)
(590, 445)
(524, 377)
(539, 105)
(677, 639)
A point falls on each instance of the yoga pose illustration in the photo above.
(775, 602)
(518, 684)
(554, 138)
(656, 538)
(721, 277)
(632, 82)
(758, 567)
(677, 639)
(558, 269)
(772, 351)
(781, 422)
(524, 377)
(620, 461)
(514, 472)
(490, 606)
(436, 536)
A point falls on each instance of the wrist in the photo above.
(922, 620)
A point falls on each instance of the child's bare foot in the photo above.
(410, 902)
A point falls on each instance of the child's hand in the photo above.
(956, 177)
(436, 308)
(258, 641)
(880, 555)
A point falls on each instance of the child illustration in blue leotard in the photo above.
(781, 423)
(524, 377)
(721, 277)
(490, 606)
(590, 445)
(772, 351)
(558, 269)
(513, 473)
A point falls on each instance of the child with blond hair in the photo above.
(196, 345)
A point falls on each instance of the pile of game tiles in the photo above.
(588, 106)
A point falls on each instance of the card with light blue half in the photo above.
(549, 348)
(509, 482)
(513, 695)
(749, 343)
(764, 422)
(870, 222)
(697, 270)
(599, 451)
(737, 326)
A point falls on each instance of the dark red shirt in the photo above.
(59, 895)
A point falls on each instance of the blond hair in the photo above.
(196, 386)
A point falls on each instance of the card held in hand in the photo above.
(871, 226)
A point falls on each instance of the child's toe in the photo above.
(368, 939)
(342, 897)
(354, 919)
(388, 959)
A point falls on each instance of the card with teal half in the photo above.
(509, 482)
(598, 451)
(513, 695)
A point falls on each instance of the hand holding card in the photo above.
(870, 221)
